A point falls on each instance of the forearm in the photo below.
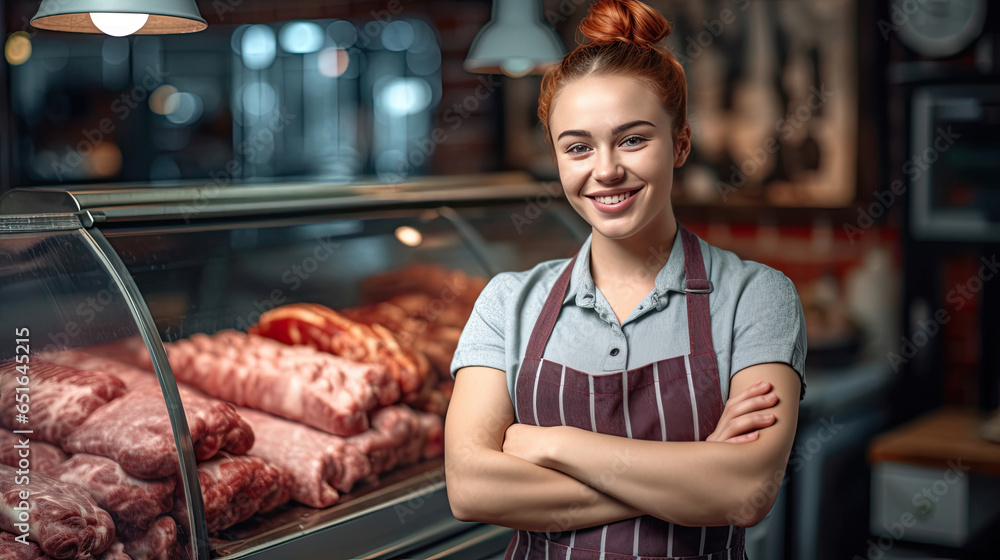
(689, 483)
(493, 487)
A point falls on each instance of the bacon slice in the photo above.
(324, 329)
(61, 397)
(63, 518)
(317, 464)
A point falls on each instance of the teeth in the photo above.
(611, 199)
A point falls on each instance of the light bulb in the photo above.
(118, 24)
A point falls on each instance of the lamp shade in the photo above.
(165, 16)
(515, 42)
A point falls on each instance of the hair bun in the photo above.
(629, 21)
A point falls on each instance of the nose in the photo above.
(607, 167)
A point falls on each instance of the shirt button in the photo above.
(614, 351)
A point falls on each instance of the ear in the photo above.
(682, 146)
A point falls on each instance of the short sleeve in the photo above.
(770, 325)
(482, 342)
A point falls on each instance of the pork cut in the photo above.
(11, 549)
(115, 552)
(63, 519)
(136, 432)
(399, 436)
(318, 465)
(234, 487)
(61, 398)
(159, 542)
(293, 382)
(128, 499)
(324, 329)
(41, 456)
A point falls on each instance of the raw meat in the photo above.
(234, 488)
(220, 422)
(160, 542)
(61, 397)
(294, 382)
(63, 520)
(317, 464)
(11, 549)
(399, 436)
(136, 433)
(128, 499)
(324, 329)
(43, 457)
(456, 290)
(116, 552)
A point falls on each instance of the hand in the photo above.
(528, 442)
(745, 414)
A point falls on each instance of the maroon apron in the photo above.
(676, 399)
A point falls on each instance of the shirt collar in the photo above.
(669, 278)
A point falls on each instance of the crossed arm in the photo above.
(562, 478)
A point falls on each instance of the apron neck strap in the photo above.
(696, 286)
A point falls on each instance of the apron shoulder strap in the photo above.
(550, 312)
(697, 287)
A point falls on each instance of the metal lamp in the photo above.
(515, 42)
(119, 17)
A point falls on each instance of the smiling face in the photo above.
(616, 154)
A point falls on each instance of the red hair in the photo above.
(623, 41)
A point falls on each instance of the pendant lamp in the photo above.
(119, 17)
(515, 42)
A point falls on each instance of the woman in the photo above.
(588, 404)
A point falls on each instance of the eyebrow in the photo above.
(617, 130)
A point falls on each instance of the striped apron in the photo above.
(676, 399)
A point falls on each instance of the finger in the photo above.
(758, 388)
(751, 405)
(746, 424)
(744, 438)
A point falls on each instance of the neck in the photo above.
(633, 261)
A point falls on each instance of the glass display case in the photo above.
(262, 367)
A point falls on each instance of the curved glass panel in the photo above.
(77, 396)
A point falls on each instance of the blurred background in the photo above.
(851, 144)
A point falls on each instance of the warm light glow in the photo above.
(17, 51)
(409, 236)
(161, 101)
(118, 24)
(333, 62)
(105, 161)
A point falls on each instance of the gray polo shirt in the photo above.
(756, 318)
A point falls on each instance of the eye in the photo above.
(577, 149)
(633, 141)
